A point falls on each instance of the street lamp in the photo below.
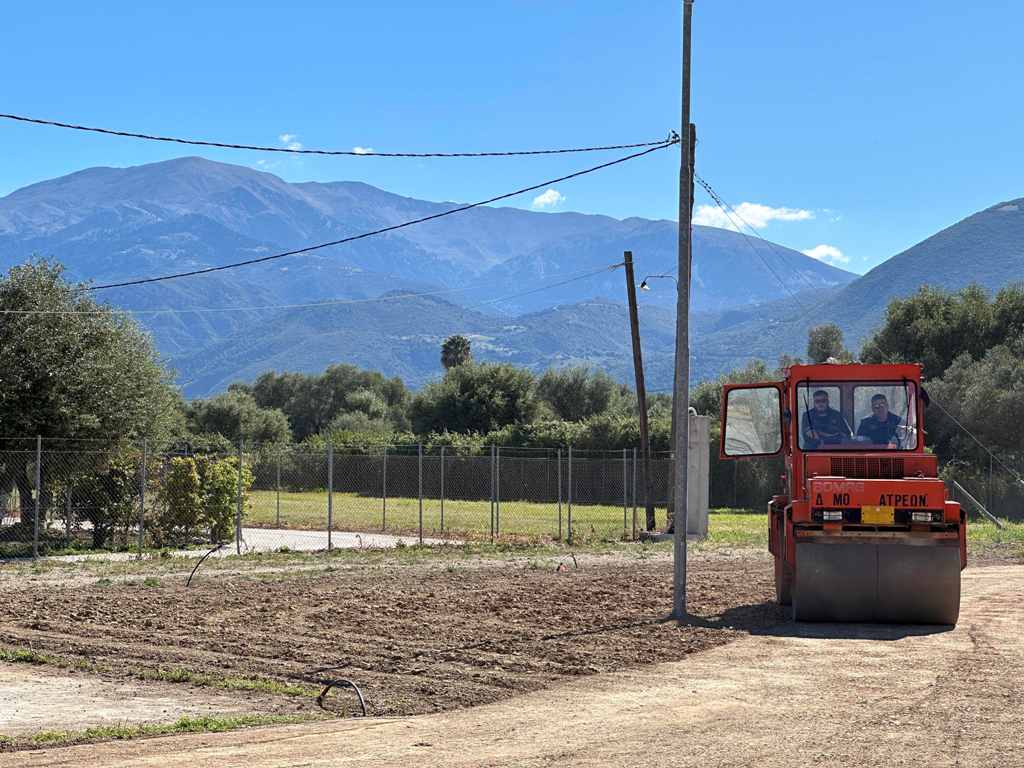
(645, 287)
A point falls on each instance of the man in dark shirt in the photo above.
(823, 425)
(880, 427)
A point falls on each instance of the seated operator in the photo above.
(880, 427)
(823, 425)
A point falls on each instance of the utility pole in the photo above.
(675, 378)
(641, 391)
(682, 368)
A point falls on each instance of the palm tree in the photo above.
(455, 351)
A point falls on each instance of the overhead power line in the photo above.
(382, 230)
(548, 286)
(729, 212)
(107, 310)
(732, 214)
(335, 152)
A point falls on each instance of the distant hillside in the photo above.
(405, 340)
(111, 224)
(986, 248)
(729, 268)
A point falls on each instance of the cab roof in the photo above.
(855, 372)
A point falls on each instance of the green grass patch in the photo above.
(983, 537)
(308, 511)
(737, 529)
(187, 724)
(164, 675)
(26, 656)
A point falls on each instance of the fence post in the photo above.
(419, 469)
(492, 493)
(559, 494)
(570, 495)
(143, 477)
(442, 489)
(39, 493)
(67, 518)
(330, 493)
(991, 495)
(384, 493)
(625, 485)
(277, 486)
(634, 494)
(497, 490)
(238, 506)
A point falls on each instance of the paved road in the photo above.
(272, 539)
(269, 539)
(830, 695)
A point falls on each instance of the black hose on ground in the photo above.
(337, 682)
(201, 559)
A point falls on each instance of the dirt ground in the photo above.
(823, 695)
(34, 697)
(416, 639)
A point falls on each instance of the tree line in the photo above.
(73, 368)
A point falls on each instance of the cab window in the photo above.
(753, 422)
(886, 415)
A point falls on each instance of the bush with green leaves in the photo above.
(219, 480)
(199, 495)
(108, 497)
(179, 502)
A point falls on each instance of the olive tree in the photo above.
(71, 367)
(476, 398)
(825, 341)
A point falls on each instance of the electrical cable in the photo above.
(346, 152)
(726, 208)
(775, 246)
(313, 304)
(608, 268)
(381, 230)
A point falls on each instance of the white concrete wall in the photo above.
(698, 482)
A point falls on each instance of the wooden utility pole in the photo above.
(682, 368)
(641, 391)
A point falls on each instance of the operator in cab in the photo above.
(880, 427)
(823, 425)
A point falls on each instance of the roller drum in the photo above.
(893, 583)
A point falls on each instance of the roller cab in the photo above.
(862, 530)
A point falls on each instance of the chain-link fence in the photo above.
(61, 496)
(997, 489)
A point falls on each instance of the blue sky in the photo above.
(861, 127)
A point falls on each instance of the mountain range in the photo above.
(513, 280)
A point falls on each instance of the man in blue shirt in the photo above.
(880, 427)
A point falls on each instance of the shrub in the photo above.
(179, 502)
(108, 497)
(219, 482)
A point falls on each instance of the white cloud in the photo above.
(549, 198)
(756, 215)
(827, 253)
(289, 140)
(363, 150)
